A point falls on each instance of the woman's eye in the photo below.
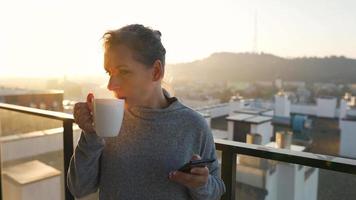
(120, 73)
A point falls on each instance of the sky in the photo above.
(62, 37)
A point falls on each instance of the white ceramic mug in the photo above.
(108, 114)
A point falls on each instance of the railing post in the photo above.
(67, 153)
(228, 173)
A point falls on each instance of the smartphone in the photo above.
(195, 163)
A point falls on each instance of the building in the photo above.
(43, 99)
(239, 125)
(269, 180)
(281, 105)
(347, 125)
(326, 106)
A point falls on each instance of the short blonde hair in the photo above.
(143, 41)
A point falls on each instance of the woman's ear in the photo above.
(158, 70)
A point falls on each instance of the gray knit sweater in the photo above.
(136, 163)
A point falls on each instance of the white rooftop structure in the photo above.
(239, 117)
(31, 180)
(241, 124)
(326, 107)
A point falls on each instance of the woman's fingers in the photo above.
(81, 108)
(181, 177)
(196, 157)
(189, 180)
(83, 117)
(200, 171)
(90, 99)
(198, 176)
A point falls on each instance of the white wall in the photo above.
(326, 107)
(281, 106)
(290, 182)
(343, 108)
(311, 185)
(264, 129)
(285, 181)
(271, 186)
(347, 138)
(34, 143)
(309, 109)
(230, 130)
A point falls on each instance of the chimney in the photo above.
(343, 108)
(284, 139)
(281, 105)
(253, 138)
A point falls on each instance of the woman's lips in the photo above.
(119, 97)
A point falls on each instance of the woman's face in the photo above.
(129, 79)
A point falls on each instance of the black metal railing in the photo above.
(231, 148)
(228, 148)
(67, 120)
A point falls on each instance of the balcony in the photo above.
(249, 171)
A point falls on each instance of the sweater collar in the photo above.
(157, 113)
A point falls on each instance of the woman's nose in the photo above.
(112, 84)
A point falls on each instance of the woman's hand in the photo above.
(83, 114)
(198, 175)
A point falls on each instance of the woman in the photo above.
(158, 135)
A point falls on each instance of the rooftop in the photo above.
(239, 117)
(258, 119)
(254, 119)
(20, 91)
(252, 110)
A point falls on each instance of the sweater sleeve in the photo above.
(215, 186)
(84, 166)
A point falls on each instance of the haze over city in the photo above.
(56, 38)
